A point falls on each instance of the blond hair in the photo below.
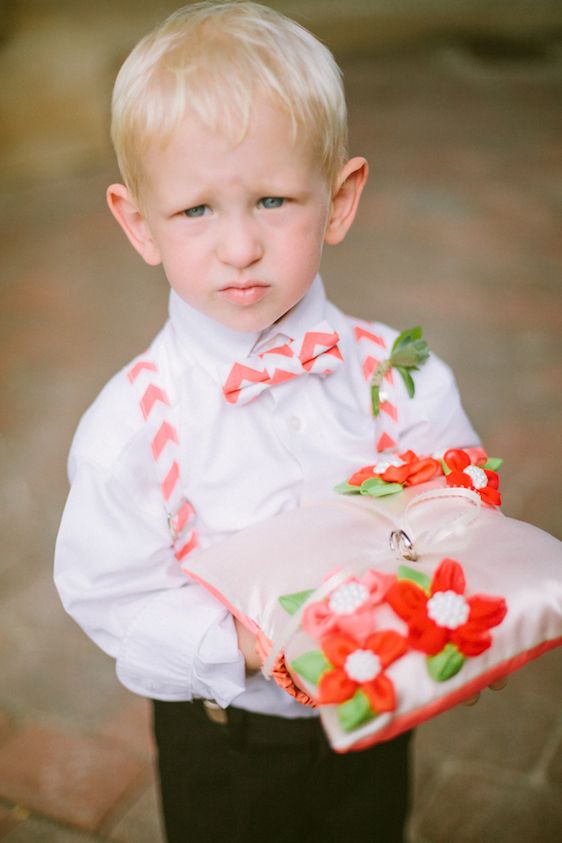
(213, 58)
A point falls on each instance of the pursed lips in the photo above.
(247, 293)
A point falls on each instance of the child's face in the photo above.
(239, 229)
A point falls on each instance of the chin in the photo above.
(255, 326)
(250, 323)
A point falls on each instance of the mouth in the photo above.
(244, 294)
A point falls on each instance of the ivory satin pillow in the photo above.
(387, 611)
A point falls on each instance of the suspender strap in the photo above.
(157, 413)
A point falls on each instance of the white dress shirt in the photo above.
(115, 568)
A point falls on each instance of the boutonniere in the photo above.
(409, 351)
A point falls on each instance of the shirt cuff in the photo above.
(158, 655)
(219, 670)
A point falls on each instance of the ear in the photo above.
(125, 209)
(349, 187)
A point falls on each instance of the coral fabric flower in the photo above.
(445, 614)
(406, 468)
(357, 666)
(365, 473)
(481, 480)
(414, 470)
(349, 608)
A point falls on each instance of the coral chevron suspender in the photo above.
(158, 414)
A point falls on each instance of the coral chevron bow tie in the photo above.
(316, 352)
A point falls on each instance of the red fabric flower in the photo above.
(445, 615)
(406, 468)
(481, 480)
(361, 666)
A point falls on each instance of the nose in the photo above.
(240, 243)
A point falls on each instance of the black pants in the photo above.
(261, 779)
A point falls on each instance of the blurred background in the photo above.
(457, 106)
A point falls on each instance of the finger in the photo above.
(472, 700)
(498, 684)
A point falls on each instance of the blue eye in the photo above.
(271, 202)
(196, 211)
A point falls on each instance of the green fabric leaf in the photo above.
(408, 380)
(292, 602)
(421, 579)
(347, 489)
(311, 665)
(371, 482)
(355, 712)
(494, 463)
(445, 467)
(377, 488)
(445, 664)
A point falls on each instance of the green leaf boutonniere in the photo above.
(408, 353)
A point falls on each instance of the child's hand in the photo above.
(247, 646)
(494, 686)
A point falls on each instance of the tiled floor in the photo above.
(459, 231)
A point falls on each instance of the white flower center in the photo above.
(477, 476)
(448, 609)
(347, 598)
(362, 666)
(390, 462)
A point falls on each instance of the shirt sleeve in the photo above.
(118, 578)
(434, 420)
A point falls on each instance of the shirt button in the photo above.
(294, 424)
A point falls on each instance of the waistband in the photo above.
(262, 728)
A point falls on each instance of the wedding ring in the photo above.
(401, 544)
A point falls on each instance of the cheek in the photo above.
(308, 233)
(181, 255)
(317, 228)
(309, 244)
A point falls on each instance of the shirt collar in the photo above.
(213, 345)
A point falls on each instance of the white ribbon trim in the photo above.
(456, 527)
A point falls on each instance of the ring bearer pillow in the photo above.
(395, 601)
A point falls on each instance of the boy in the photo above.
(229, 125)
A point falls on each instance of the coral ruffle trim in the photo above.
(280, 672)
